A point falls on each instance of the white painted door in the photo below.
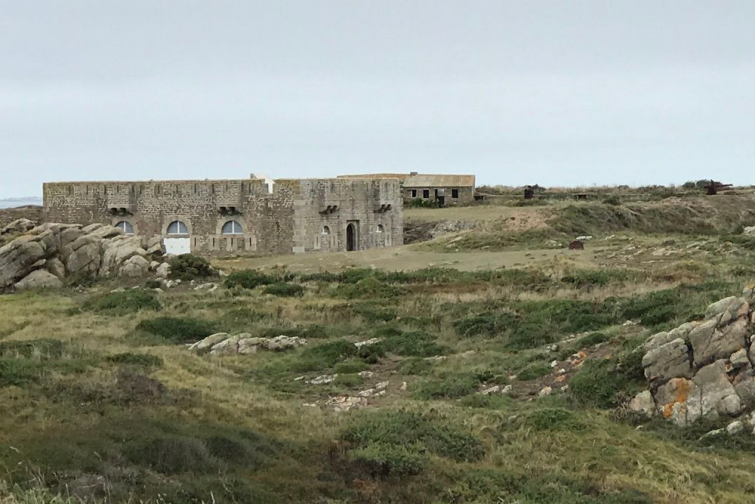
(177, 246)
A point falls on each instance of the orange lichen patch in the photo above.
(561, 378)
(681, 394)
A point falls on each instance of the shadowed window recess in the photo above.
(126, 227)
(232, 228)
(177, 228)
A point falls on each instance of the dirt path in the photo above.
(407, 258)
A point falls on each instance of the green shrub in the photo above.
(122, 302)
(177, 330)
(595, 278)
(350, 367)
(190, 267)
(348, 380)
(449, 387)
(489, 401)
(242, 319)
(369, 287)
(171, 455)
(134, 359)
(17, 371)
(593, 339)
(374, 312)
(153, 284)
(484, 324)
(413, 344)
(331, 353)
(39, 349)
(415, 366)
(404, 428)
(554, 419)
(248, 279)
(534, 371)
(283, 289)
(383, 459)
(606, 383)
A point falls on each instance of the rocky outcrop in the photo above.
(18, 226)
(48, 254)
(244, 343)
(702, 369)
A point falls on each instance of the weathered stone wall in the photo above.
(287, 220)
(466, 195)
(373, 207)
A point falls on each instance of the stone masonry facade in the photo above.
(241, 216)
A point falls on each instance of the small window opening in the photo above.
(232, 228)
(126, 227)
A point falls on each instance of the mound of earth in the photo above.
(420, 231)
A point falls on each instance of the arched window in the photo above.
(232, 228)
(380, 228)
(126, 227)
(325, 230)
(177, 228)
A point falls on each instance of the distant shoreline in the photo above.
(19, 202)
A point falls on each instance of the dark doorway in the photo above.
(440, 197)
(351, 237)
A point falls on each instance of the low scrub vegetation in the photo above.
(425, 386)
(122, 303)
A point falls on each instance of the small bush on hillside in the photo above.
(490, 401)
(134, 359)
(595, 278)
(350, 367)
(554, 419)
(348, 380)
(177, 330)
(369, 287)
(39, 349)
(242, 319)
(331, 353)
(593, 339)
(171, 455)
(122, 303)
(283, 289)
(374, 312)
(415, 366)
(449, 387)
(248, 279)
(413, 344)
(190, 267)
(606, 383)
(484, 324)
(17, 371)
(408, 429)
(383, 459)
(534, 371)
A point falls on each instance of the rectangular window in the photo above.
(414, 193)
(454, 193)
(425, 193)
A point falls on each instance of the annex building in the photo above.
(443, 190)
(239, 217)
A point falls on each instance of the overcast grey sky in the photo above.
(516, 91)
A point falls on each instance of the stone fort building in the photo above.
(239, 217)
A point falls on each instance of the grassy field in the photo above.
(103, 402)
